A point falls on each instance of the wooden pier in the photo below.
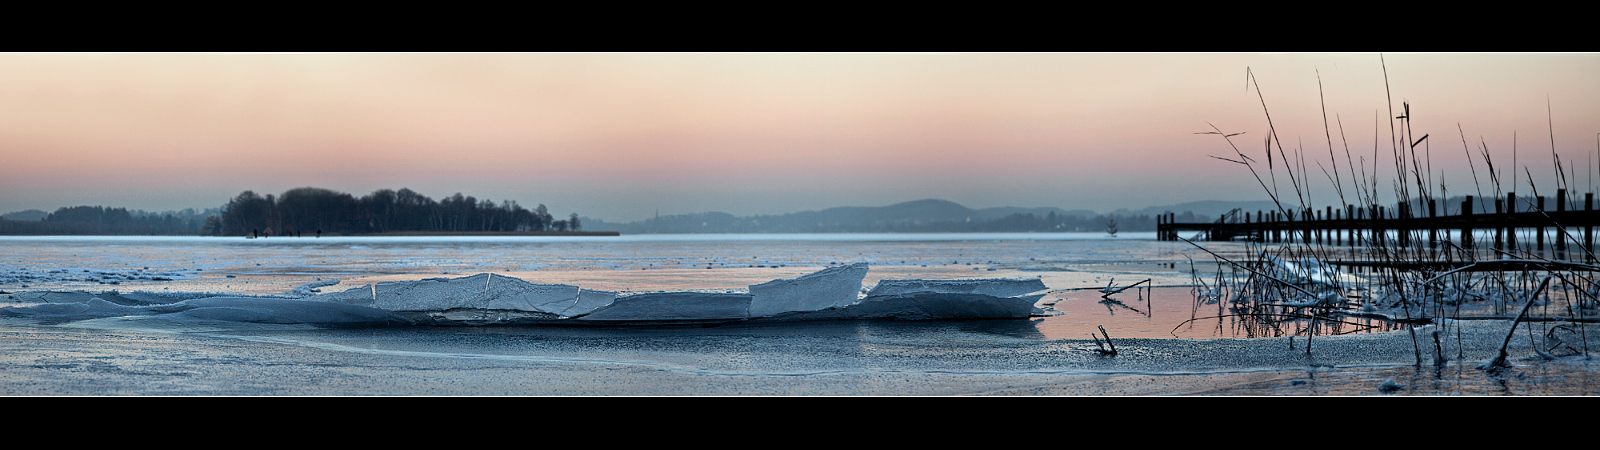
(1354, 225)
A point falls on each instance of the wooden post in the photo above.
(1285, 218)
(1588, 231)
(1350, 214)
(1246, 229)
(1511, 228)
(1161, 231)
(1363, 235)
(1372, 219)
(1306, 226)
(1539, 237)
(1277, 234)
(1403, 211)
(1255, 232)
(1172, 231)
(1432, 228)
(1167, 235)
(1338, 233)
(1561, 206)
(1316, 226)
(1499, 232)
(1305, 218)
(1466, 231)
(1354, 215)
(1288, 221)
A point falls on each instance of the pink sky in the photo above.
(621, 136)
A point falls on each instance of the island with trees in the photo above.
(310, 211)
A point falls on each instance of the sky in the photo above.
(624, 136)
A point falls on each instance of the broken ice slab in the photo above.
(828, 288)
(993, 287)
(481, 291)
(831, 293)
(673, 307)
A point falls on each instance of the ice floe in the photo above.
(830, 294)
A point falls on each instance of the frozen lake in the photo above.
(157, 355)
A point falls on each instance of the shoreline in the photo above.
(392, 233)
(486, 233)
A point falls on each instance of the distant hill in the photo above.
(919, 210)
(32, 215)
(931, 215)
(1212, 208)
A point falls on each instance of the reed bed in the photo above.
(1416, 280)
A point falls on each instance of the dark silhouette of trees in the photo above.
(100, 220)
(300, 211)
(212, 227)
(247, 212)
(321, 210)
(542, 217)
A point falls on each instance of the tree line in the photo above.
(307, 210)
(100, 220)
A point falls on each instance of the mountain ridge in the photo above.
(926, 215)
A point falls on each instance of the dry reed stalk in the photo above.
(1267, 301)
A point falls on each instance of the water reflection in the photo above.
(1168, 312)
